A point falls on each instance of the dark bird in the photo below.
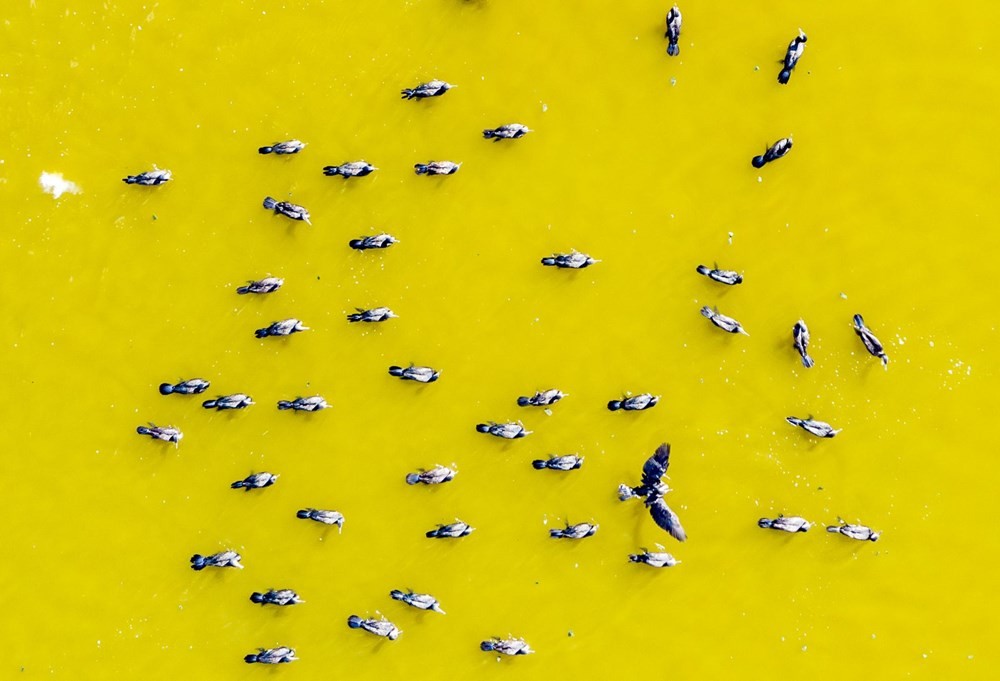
(567, 462)
(506, 646)
(507, 431)
(435, 476)
(657, 560)
(276, 597)
(673, 33)
(785, 523)
(573, 260)
(289, 210)
(367, 243)
(800, 339)
(320, 516)
(773, 152)
(192, 386)
(872, 344)
(434, 88)
(858, 532)
(653, 489)
(543, 398)
(350, 169)
(314, 403)
(165, 433)
(639, 402)
(511, 131)
(236, 401)
(451, 530)
(377, 314)
(277, 655)
(223, 559)
(792, 56)
(415, 373)
(285, 327)
(283, 148)
(255, 481)
(725, 323)
(578, 531)
(261, 286)
(419, 601)
(727, 277)
(150, 178)
(381, 627)
(813, 427)
(436, 168)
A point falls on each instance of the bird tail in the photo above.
(420, 168)
(707, 312)
(129, 180)
(143, 430)
(355, 317)
(489, 134)
(197, 561)
(261, 333)
(407, 93)
(549, 262)
(832, 528)
(331, 171)
(210, 404)
(701, 269)
(523, 401)
(238, 484)
(482, 428)
(793, 420)
(256, 597)
(765, 523)
(614, 405)
(859, 321)
(265, 150)
(673, 50)
(270, 203)
(284, 404)
(431, 534)
(557, 533)
(807, 361)
(357, 244)
(397, 595)
(303, 514)
(354, 622)
(395, 371)
(539, 464)
(784, 76)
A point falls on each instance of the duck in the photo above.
(164, 433)
(872, 344)
(673, 33)
(350, 169)
(435, 476)
(511, 131)
(792, 56)
(436, 168)
(261, 286)
(276, 597)
(378, 627)
(255, 481)
(725, 323)
(653, 489)
(567, 462)
(191, 386)
(283, 148)
(507, 431)
(415, 373)
(813, 427)
(858, 532)
(542, 398)
(727, 277)
(419, 601)
(376, 314)
(639, 402)
(235, 401)
(150, 178)
(285, 327)
(292, 211)
(506, 646)
(655, 559)
(800, 341)
(434, 88)
(367, 243)
(785, 523)
(578, 531)
(321, 516)
(223, 559)
(451, 530)
(309, 404)
(573, 260)
(279, 655)
(773, 152)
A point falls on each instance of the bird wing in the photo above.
(656, 465)
(667, 519)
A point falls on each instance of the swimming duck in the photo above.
(792, 56)
(377, 314)
(436, 168)
(872, 343)
(150, 178)
(419, 601)
(722, 321)
(508, 431)
(859, 532)
(289, 210)
(314, 403)
(325, 517)
(506, 646)
(673, 33)
(578, 531)
(285, 327)
(283, 148)
(785, 523)
(266, 285)
(567, 462)
(415, 373)
(451, 530)
(369, 242)
(434, 88)
(572, 260)
(653, 489)
(192, 386)
(435, 476)
(727, 277)
(810, 425)
(237, 401)
(657, 560)
(541, 398)
(773, 152)
(800, 336)
(222, 559)
(276, 597)
(165, 433)
(511, 131)
(381, 627)
(350, 169)
(255, 481)
(639, 402)
(279, 655)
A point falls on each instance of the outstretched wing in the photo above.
(656, 466)
(667, 519)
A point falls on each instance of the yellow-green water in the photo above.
(641, 160)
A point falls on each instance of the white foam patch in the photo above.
(57, 185)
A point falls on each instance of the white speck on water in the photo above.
(673, 81)
(545, 107)
(932, 344)
(760, 179)
(55, 184)
(731, 237)
(843, 295)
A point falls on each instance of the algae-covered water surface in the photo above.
(885, 206)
